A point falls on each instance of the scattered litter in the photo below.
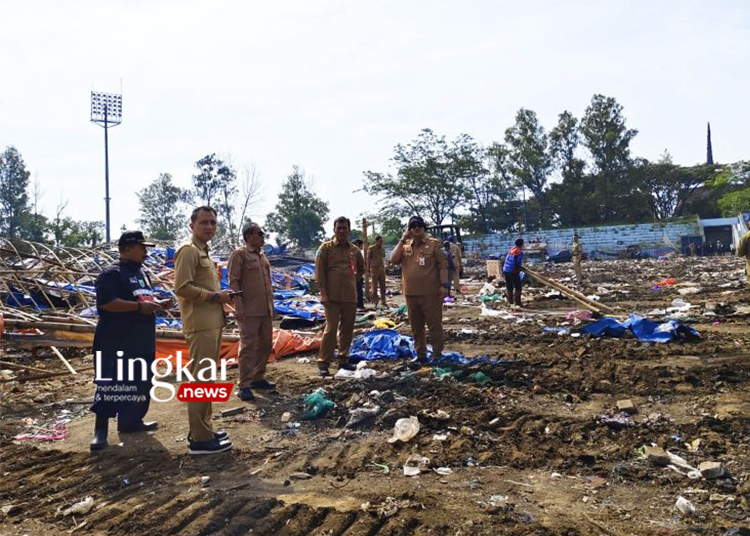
(685, 506)
(360, 415)
(58, 432)
(318, 405)
(480, 377)
(80, 508)
(621, 420)
(444, 471)
(498, 500)
(405, 429)
(711, 470)
(286, 417)
(416, 464)
(303, 360)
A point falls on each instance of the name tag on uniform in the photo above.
(421, 261)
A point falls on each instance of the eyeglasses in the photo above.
(416, 226)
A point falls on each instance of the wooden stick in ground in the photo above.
(62, 358)
(43, 376)
(23, 367)
(570, 293)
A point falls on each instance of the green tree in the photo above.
(162, 208)
(529, 160)
(733, 181)
(299, 214)
(14, 198)
(430, 176)
(608, 140)
(570, 200)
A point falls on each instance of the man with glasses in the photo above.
(338, 263)
(250, 280)
(424, 275)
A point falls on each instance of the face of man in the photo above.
(256, 238)
(417, 231)
(134, 253)
(341, 231)
(379, 242)
(204, 226)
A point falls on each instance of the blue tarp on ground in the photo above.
(390, 344)
(286, 294)
(643, 329)
(299, 308)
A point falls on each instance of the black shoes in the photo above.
(323, 371)
(246, 395)
(213, 446)
(140, 427)
(101, 428)
(262, 384)
(347, 366)
(221, 435)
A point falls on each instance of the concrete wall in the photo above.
(610, 238)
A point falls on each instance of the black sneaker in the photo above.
(245, 394)
(221, 435)
(323, 371)
(347, 366)
(262, 384)
(213, 446)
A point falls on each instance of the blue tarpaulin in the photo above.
(299, 308)
(390, 344)
(286, 294)
(643, 329)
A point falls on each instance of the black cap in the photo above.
(133, 237)
(416, 220)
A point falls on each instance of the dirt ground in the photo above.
(528, 452)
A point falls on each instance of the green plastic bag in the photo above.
(481, 378)
(442, 373)
(317, 405)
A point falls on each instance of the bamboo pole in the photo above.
(570, 293)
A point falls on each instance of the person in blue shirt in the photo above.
(512, 273)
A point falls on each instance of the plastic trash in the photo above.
(318, 405)
(360, 415)
(416, 464)
(480, 377)
(80, 508)
(405, 429)
(685, 506)
(488, 289)
(442, 373)
(444, 471)
(383, 323)
(557, 331)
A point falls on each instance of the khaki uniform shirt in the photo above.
(456, 252)
(337, 266)
(421, 264)
(250, 272)
(576, 249)
(743, 250)
(376, 259)
(195, 282)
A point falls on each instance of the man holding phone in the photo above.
(424, 276)
(250, 281)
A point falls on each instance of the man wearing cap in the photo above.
(424, 275)
(126, 332)
(376, 267)
(338, 263)
(250, 276)
(198, 289)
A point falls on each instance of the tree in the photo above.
(162, 208)
(734, 183)
(529, 160)
(430, 176)
(14, 199)
(608, 139)
(570, 200)
(299, 214)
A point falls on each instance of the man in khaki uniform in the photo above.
(743, 250)
(577, 252)
(456, 252)
(198, 289)
(338, 263)
(250, 275)
(424, 274)
(376, 267)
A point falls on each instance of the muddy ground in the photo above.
(528, 452)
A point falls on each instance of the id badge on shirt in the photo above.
(421, 261)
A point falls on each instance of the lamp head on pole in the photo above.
(106, 105)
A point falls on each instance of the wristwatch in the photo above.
(446, 285)
(215, 296)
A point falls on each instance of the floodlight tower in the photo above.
(106, 111)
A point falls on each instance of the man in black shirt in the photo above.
(126, 332)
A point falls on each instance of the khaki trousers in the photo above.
(577, 268)
(378, 280)
(457, 281)
(203, 345)
(426, 310)
(339, 317)
(256, 343)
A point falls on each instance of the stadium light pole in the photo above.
(106, 111)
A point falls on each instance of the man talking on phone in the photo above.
(250, 281)
(424, 276)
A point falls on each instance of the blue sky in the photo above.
(332, 86)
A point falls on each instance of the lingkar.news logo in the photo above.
(213, 386)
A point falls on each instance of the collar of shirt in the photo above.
(254, 250)
(131, 264)
(201, 245)
(337, 242)
(415, 242)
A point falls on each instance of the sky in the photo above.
(333, 86)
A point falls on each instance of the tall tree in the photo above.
(14, 198)
(162, 208)
(608, 139)
(709, 148)
(299, 214)
(529, 158)
(570, 200)
(430, 176)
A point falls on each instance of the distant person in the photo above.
(376, 269)
(249, 273)
(577, 254)
(512, 273)
(196, 283)
(743, 250)
(693, 249)
(338, 263)
(451, 264)
(424, 277)
(360, 280)
(457, 260)
(126, 304)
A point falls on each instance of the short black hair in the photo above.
(519, 242)
(342, 219)
(194, 215)
(378, 238)
(248, 229)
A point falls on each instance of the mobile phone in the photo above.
(235, 293)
